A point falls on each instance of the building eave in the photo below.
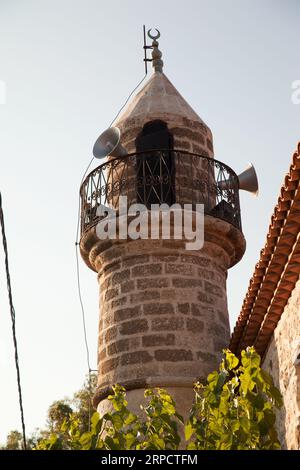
(276, 272)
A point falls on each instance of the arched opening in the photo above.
(155, 164)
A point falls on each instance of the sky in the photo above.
(67, 67)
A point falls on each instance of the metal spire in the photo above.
(157, 63)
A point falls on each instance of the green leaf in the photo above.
(222, 376)
(226, 441)
(245, 424)
(117, 421)
(235, 425)
(117, 404)
(95, 419)
(216, 428)
(246, 383)
(250, 358)
(168, 408)
(158, 442)
(131, 418)
(86, 441)
(188, 430)
(231, 360)
(130, 440)
(213, 378)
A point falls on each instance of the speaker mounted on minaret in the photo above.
(108, 143)
(247, 181)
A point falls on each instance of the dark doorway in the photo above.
(155, 164)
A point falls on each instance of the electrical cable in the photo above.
(13, 321)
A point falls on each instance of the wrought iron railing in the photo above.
(162, 176)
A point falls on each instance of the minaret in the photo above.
(163, 309)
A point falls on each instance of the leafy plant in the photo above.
(233, 410)
(121, 429)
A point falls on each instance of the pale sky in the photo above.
(68, 66)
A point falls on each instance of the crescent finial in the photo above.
(154, 37)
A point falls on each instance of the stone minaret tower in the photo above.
(163, 310)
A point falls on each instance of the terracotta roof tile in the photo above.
(277, 271)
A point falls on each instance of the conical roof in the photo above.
(158, 98)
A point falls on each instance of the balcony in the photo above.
(162, 176)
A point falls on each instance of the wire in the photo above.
(13, 320)
(77, 261)
(82, 311)
(121, 109)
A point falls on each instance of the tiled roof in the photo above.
(277, 271)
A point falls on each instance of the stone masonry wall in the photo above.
(191, 136)
(278, 362)
(163, 312)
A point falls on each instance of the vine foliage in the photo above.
(234, 409)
